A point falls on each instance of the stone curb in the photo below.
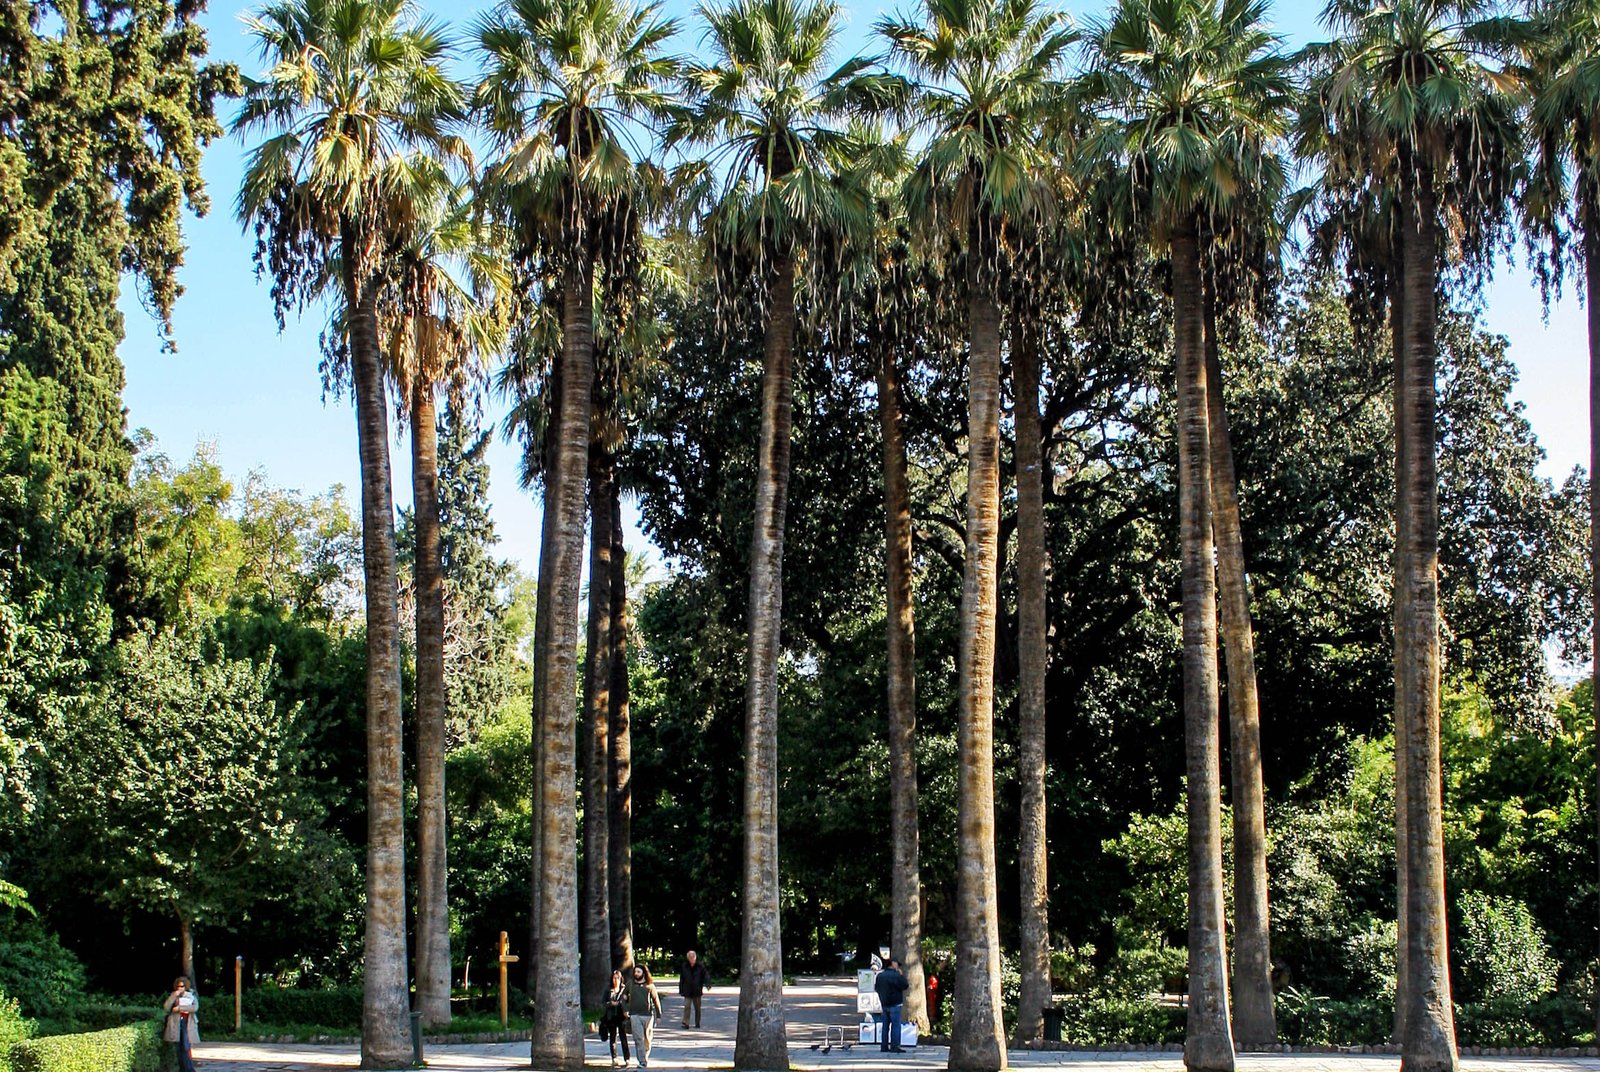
(1381, 1048)
(481, 1038)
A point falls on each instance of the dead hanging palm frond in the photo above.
(350, 89)
(446, 307)
(1410, 91)
(988, 92)
(781, 178)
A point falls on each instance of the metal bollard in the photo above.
(416, 1039)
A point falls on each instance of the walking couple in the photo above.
(631, 1004)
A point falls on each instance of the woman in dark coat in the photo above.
(614, 1024)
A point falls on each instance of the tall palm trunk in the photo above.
(385, 1023)
(1032, 658)
(1255, 1025)
(905, 898)
(1591, 267)
(1397, 329)
(1208, 1043)
(620, 805)
(596, 962)
(977, 1034)
(558, 1012)
(541, 627)
(433, 898)
(1429, 1043)
(761, 1043)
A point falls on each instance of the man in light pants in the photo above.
(644, 1006)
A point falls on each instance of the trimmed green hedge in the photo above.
(333, 1007)
(135, 1048)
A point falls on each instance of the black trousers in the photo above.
(611, 1031)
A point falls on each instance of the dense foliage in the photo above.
(184, 661)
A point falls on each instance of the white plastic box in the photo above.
(869, 1034)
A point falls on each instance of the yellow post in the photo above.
(505, 958)
(238, 993)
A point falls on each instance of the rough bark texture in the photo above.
(558, 1012)
(433, 895)
(1255, 1026)
(1591, 267)
(761, 1043)
(541, 628)
(385, 1018)
(1208, 1042)
(1428, 1044)
(905, 897)
(1397, 345)
(977, 1033)
(596, 963)
(1032, 656)
(620, 809)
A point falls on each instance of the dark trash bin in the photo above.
(1055, 1022)
(416, 1038)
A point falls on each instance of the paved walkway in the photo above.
(809, 1005)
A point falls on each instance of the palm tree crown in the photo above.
(1414, 91)
(566, 86)
(1190, 97)
(1563, 195)
(350, 86)
(775, 117)
(989, 97)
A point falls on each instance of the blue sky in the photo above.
(257, 394)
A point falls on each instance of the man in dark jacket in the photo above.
(693, 981)
(890, 986)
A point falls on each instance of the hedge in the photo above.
(135, 1048)
(325, 1007)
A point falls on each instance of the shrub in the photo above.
(337, 1007)
(1556, 1020)
(40, 973)
(1503, 954)
(136, 1048)
(1101, 1020)
(14, 1027)
(1306, 1019)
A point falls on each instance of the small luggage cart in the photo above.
(831, 1037)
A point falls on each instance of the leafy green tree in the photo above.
(106, 107)
(351, 85)
(186, 786)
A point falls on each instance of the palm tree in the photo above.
(766, 103)
(987, 86)
(628, 337)
(350, 85)
(894, 303)
(1254, 1020)
(1190, 95)
(564, 85)
(1564, 197)
(1412, 114)
(444, 313)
